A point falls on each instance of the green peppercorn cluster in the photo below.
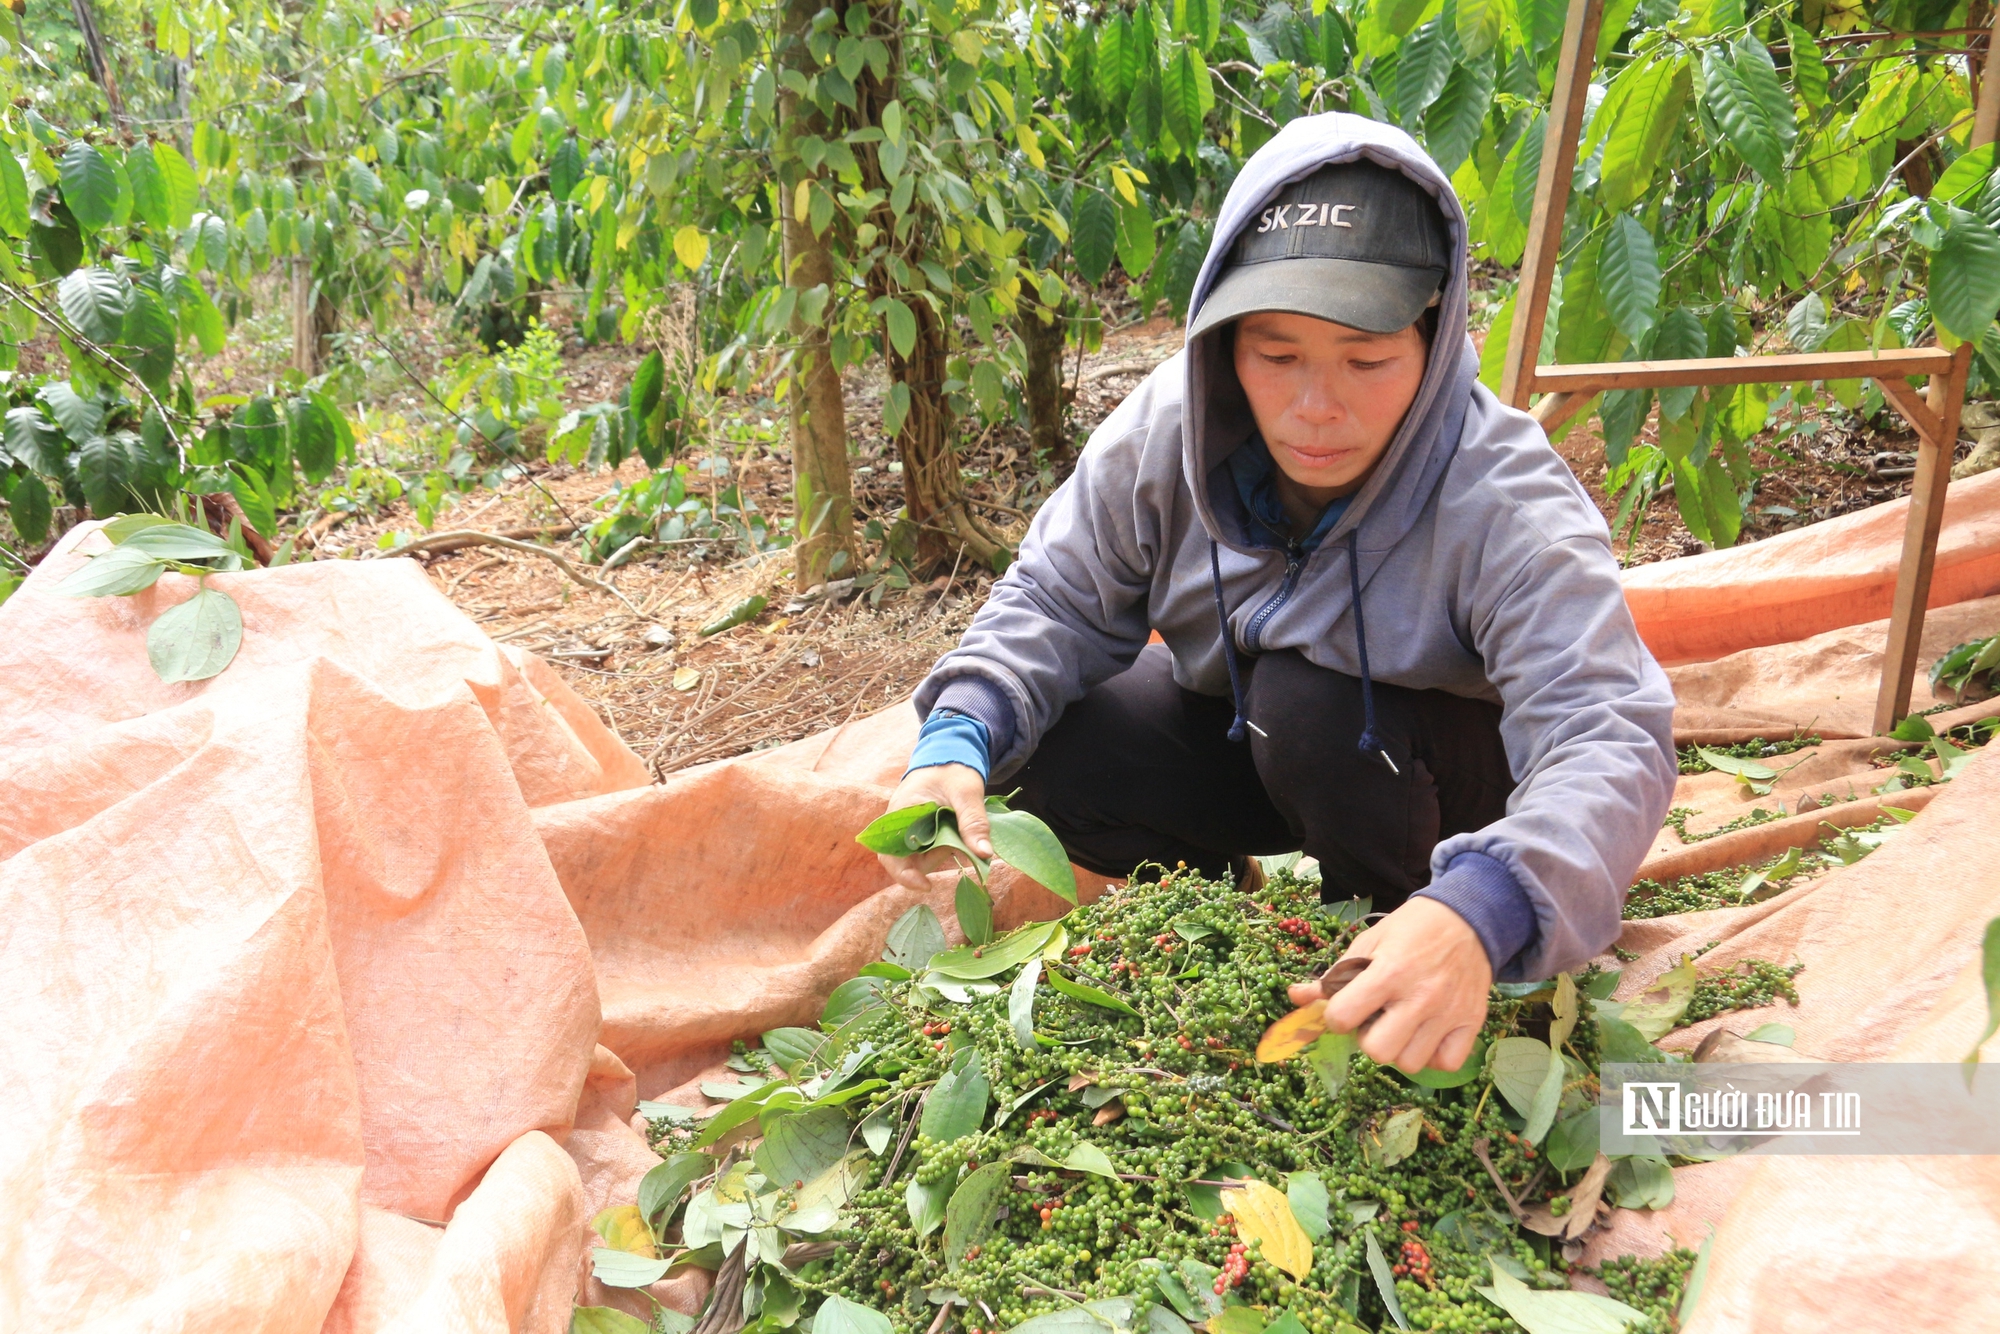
(1172, 1096)
(1754, 984)
(1652, 1286)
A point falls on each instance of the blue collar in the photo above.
(1256, 478)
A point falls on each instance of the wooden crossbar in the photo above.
(1567, 390)
(1596, 377)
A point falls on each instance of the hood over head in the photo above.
(1218, 417)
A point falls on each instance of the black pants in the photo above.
(1141, 770)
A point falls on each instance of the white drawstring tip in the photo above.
(1391, 763)
(1258, 730)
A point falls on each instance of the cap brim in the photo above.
(1380, 298)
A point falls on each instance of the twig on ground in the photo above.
(470, 539)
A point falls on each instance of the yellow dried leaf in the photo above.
(686, 678)
(1264, 1215)
(624, 1229)
(1292, 1034)
(1566, 1011)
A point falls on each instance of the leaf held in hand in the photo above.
(1032, 848)
(1292, 1034)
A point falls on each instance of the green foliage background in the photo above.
(1749, 177)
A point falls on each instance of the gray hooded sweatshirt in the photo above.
(1483, 567)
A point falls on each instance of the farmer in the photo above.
(1394, 632)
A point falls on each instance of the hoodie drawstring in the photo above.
(1368, 743)
(1236, 732)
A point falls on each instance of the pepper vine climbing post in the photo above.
(1567, 390)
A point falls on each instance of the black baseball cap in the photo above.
(1356, 243)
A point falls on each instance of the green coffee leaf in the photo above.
(1639, 125)
(1965, 276)
(1453, 124)
(1468, 1070)
(177, 542)
(746, 610)
(837, 1315)
(1521, 1067)
(1542, 1312)
(972, 962)
(926, 1204)
(197, 639)
(1310, 1203)
(1385, 1280)
(970, 1217)
(1989, 954)
(660, 1190)
(89, 186)
(623, 1269)
(1137, 245)
(1749, 104)
(114, 573)
(1628, 275)
(1330, 1056)
(916, 938)
(13, 196)
(957, 1103)
(1572, 1142)
(1089, 995)
(1424, 66)
(902, 326)
(1021, 1003)
(1094, 235)
(1182, 85)
(902, 832)
(799, 1147)
(975, 911)
(849, 999)
(95, 301)
(1032, 848)
(1640, 1183)
(1965, 178)
(177, 179)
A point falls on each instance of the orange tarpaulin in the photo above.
(1799, 584)
(331, 981)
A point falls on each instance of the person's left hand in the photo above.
(1428, 975)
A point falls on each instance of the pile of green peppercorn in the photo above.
(1170, 1092)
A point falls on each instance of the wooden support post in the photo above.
(1927, 489)
(1920, 539)
(1545, 222)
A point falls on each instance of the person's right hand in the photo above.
(957, 787)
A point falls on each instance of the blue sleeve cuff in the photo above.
(1485, 893)
(948, 737)
(977, 697)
